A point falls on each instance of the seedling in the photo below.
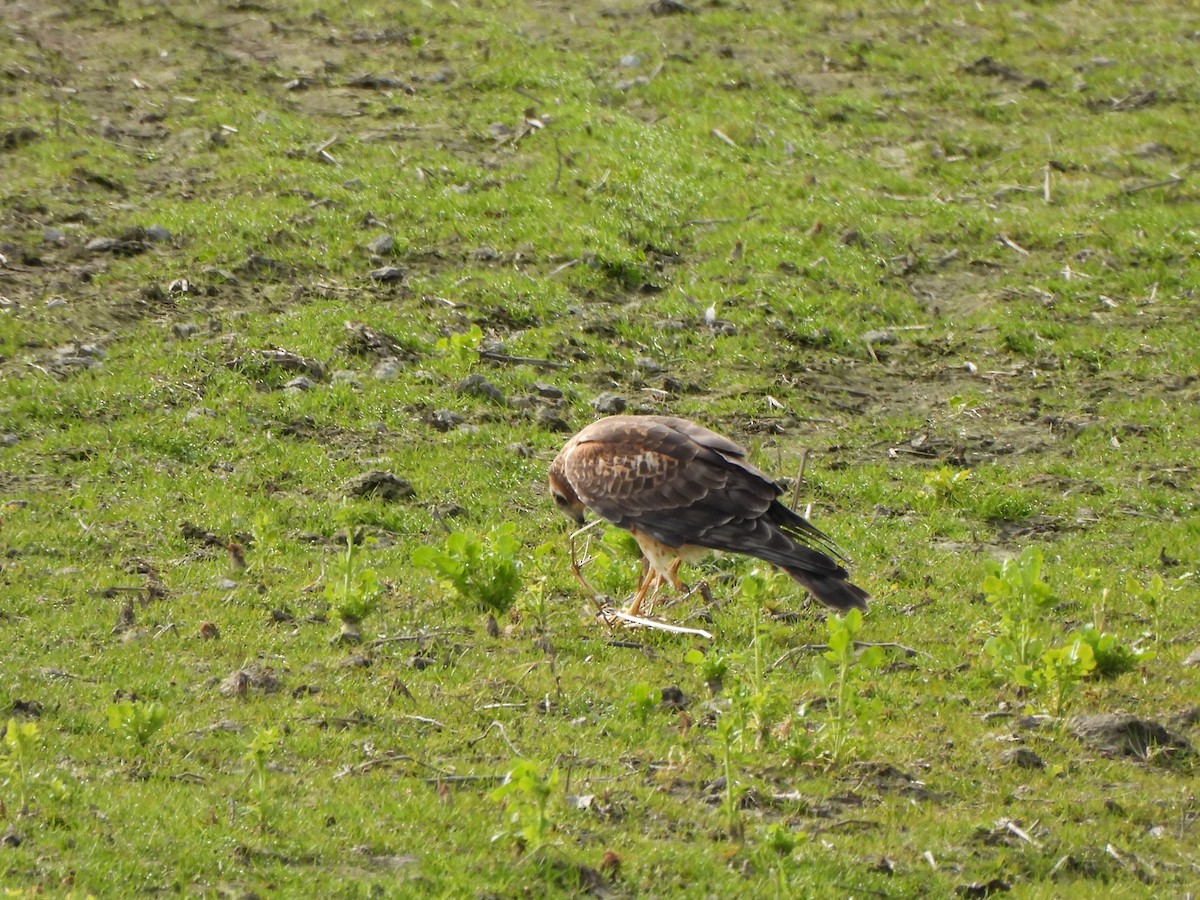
(261, 747)
(355, 595)
(643, 700)
(839, 668)
(20, 743)
(1019, 596)
(484, 572)
(137, 722)
(526, 794)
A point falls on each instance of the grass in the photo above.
(949, 252)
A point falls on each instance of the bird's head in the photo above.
(564, 495)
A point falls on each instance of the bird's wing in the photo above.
(667, 478)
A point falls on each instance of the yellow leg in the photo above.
(673, 575)
(649, 578)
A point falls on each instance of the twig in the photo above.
(1012, 245)
(1046, 183)
(720, 135)
(913, 607)
(577, 571)
(424, 720)
(558, 169)
(409, 638)
(385, 761)
(559, 269)
(1171, 181)
(529, 96)
(1010, 825)
(440, 519)
(399, 638)
(821, 648)
(503, 734)
(521, 360)
(727, 220)
(799, 478)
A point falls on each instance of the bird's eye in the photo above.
(560, 499)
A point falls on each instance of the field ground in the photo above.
(933, 263)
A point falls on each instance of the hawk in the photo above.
(682, 490)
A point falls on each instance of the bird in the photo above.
(682, 490)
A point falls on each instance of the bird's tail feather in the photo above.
(831, 589)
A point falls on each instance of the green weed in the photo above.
(527, 794)
(840, 670)
(356, 594)
(484, 572)
(137, 721)
(258, 754)
(21, 740)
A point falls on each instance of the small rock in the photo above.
(14, 138)
(300, 384)
(549, 418)
(383, 485)
(646, 364)
(185, 330)
(1193, 658)
(1123, 734)
(8, 439)
(387, 369)
(158, 234)
(1152, 149)
(382, 245)
(252, 678)
(609, 404)
(983, 888)
(227, 584)
(444, 419)
(669, 8)
(101, 244)
(479, 386)
(880, 338)
(53, 236)
(209, 631)
(388, 274)
(11, 837)
(258, 360)
(198, 412)
(630, 60)
(344, 376)
(673, 698)
(549, 391)
(1022, 758)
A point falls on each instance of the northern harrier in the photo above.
(681, 490)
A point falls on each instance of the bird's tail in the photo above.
(831, 588)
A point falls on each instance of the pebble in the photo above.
(387, 369)
(382, 245)
(609, 404)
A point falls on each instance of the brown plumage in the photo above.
(681, 489)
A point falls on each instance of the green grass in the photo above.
(814, 173)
